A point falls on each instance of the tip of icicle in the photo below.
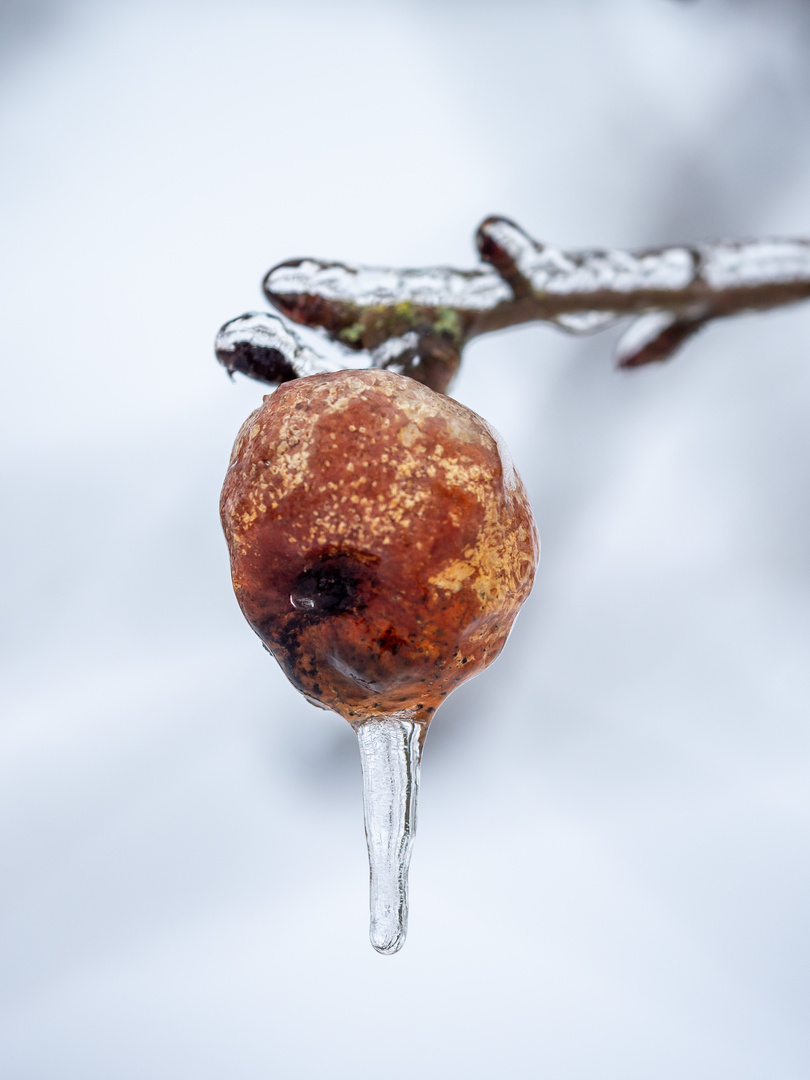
(387, 946)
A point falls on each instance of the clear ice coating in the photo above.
(585, 322)
(719, 265)
(397, 354)
(390, 749)
(264, 347)
(371, 286)
(641, 333)
(550, 270)
(735, 264)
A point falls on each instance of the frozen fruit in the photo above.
(381, 542)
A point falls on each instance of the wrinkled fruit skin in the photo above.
(381, 543)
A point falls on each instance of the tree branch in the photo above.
(418, 321)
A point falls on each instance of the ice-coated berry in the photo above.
(381, 542)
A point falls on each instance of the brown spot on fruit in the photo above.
(381, 543)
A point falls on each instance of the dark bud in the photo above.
(260, 346)
(655, 338)
(500, 243)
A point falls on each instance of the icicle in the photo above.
(390, 749)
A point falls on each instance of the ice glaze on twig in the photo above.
(417, 322)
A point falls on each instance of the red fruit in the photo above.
(381, 543)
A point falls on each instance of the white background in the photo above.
(611, 879)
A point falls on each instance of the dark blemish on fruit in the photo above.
(332, 585)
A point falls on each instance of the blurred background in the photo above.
(611, 878)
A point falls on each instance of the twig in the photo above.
(418, 321)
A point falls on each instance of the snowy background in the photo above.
(612, 875)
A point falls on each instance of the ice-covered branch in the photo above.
(417, 321)
(673, 291)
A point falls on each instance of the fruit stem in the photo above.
(390, 751)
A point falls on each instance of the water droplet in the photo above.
(302, 603)
(390, 750)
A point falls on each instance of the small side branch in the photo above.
(672, 291)
(417, 322)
